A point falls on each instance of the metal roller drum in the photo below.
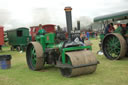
(83, 62)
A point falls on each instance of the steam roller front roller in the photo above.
(34, 56)
(114, 46)
(81, 62)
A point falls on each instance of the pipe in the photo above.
(78, 25)
(69, 21)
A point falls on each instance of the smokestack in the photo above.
(68, 21)
(78, 25)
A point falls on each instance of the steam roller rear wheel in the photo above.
(114, 46)
(34, 56)
(78, 58)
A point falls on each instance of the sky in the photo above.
(19, 13)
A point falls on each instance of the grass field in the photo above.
(107, 73)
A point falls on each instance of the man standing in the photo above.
(87, 35)
(82, 37)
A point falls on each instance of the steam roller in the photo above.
(70, 55)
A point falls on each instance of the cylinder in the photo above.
(84, 61)
(68, 21)
(78, 25)
(5, 61)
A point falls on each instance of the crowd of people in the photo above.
(110, 28)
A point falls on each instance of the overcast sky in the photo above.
(17, 13)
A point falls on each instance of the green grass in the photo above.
(107, 73)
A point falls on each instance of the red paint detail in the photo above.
(47, 37)
(48, 28)
(1, 35)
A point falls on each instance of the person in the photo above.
(87, 35)
(96, 34)
(127, 26)
(111, 28)
(82, 38)
(59, 29)
(106, 29)
(40, 26)
(124, 31)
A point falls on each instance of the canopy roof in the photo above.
(115, 16)
(18, 29)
